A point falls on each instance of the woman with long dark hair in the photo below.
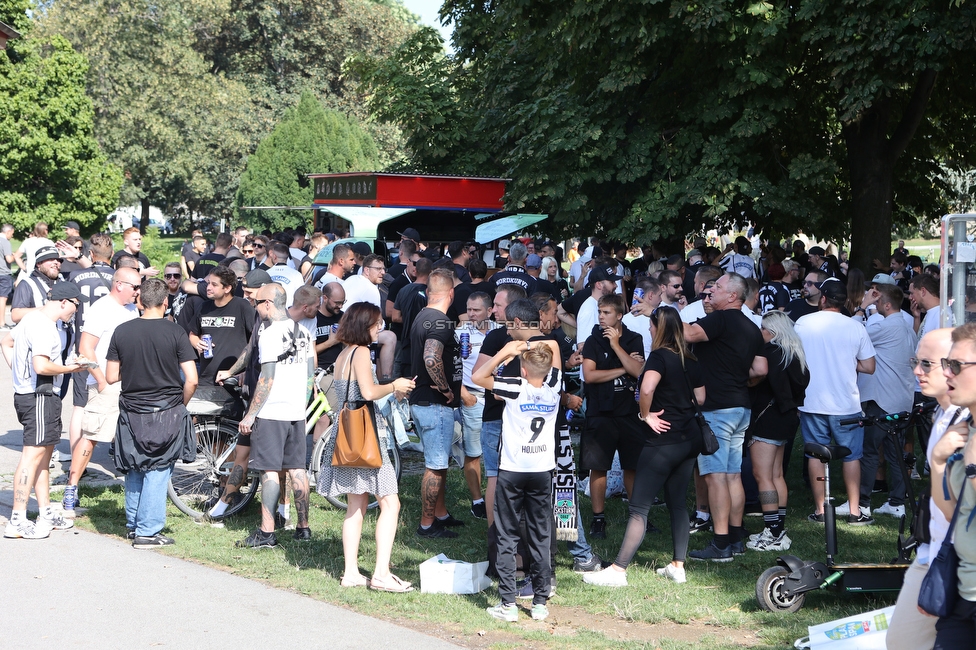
(673, 442)
(773, 425)
(355, 383)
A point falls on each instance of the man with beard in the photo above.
(809, 303)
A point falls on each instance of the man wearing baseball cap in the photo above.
(603, 281)
(33, 350)
(836, 349)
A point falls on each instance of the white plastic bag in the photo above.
(861, 632)
(615, 480)
(442, 575)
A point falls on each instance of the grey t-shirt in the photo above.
(5, 250)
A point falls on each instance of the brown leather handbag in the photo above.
(357, 442)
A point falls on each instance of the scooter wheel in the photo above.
(769, 592)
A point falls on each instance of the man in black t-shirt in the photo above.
(148, 355)
(810, 300)
(515, 272)
(774, 294)
(436, 361)
(613, 357)
(227, 319)
(209, 262)
(132, 246)
(729, 348)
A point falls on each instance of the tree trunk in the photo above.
(871, 158)
(144, 221)
(871, 191)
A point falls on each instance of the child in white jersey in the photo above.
(527, 460)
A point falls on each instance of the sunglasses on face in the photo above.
(259, 246)
(955, 366)
(926, 364)
(248, 251)
(261, 302)
(173, 276)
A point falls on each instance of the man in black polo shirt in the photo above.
(729, 347)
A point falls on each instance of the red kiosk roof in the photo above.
(384, 190)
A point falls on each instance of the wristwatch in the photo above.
(971, 470)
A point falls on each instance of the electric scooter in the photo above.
(782, 588)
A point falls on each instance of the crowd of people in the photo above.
(641, 350)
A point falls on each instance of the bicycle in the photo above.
(196, 486)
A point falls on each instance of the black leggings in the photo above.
(670, 467)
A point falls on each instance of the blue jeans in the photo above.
(435, 425)
(145, 500)
(580, 549)
(729, 427)
(491, 434)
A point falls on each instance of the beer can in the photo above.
(638, 296)
(208, 343)
(465, 345)
(499, 370)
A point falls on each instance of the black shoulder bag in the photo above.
(709, 441)
(940, 587)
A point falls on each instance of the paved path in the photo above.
(81, 590)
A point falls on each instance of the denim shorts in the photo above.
(819, 428)
(470, 419)
(729, 427)
(435, 425)
(775, 443)
(491, 435)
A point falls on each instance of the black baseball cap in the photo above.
(410, 233)
(605, 272)
(833, 289)
(66, 291)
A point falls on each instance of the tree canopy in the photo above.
(309, 139)
(51, 167)
(653, 119)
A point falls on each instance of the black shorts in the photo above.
(277, 445)
(244, 440)
(40, 415)
(6, 285)
(79, 388)
(604, 435)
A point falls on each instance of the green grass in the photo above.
(717, 604)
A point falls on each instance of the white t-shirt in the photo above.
(586, 318)
(30, 247)
(101, 319)
(528, 423)
(938, 524)
(359, 289)
(286, 400)
(833, 344)
(326, 279)
(477, 337)
(693, 312)
(288, 278)
(35, 335)
(642, 325)
(741, 264)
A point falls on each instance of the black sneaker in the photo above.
(156, 541)
(130, 535)
(738, 548)
(651, 528)
(815, 518)
(657, 501)
(598, 528)
(879, 486)
(436, 531)
(860, 519)
(450, 522)
(713, 553)
(303, 534)
(258, 539)
(479, 510)
(700, 524)
(279, 521)
(593, 564)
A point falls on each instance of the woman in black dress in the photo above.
(672, 444)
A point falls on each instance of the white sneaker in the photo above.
(25, 529)
(887, 509)
(56, 522)
(608, 577)
(755, 537)
(781, 543)
(672, 572)
(843, 509)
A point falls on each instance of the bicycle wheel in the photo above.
(315, 467)
(194, 487)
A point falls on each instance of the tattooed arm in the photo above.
(261, 393)
(434, 363)
(238, 366)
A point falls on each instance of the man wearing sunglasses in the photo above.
(809, 302)
(98, 423)
(890, 389)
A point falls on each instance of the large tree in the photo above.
(309, 139)
(51, 167)
(651, 119)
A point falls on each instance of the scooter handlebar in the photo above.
(857, 420)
